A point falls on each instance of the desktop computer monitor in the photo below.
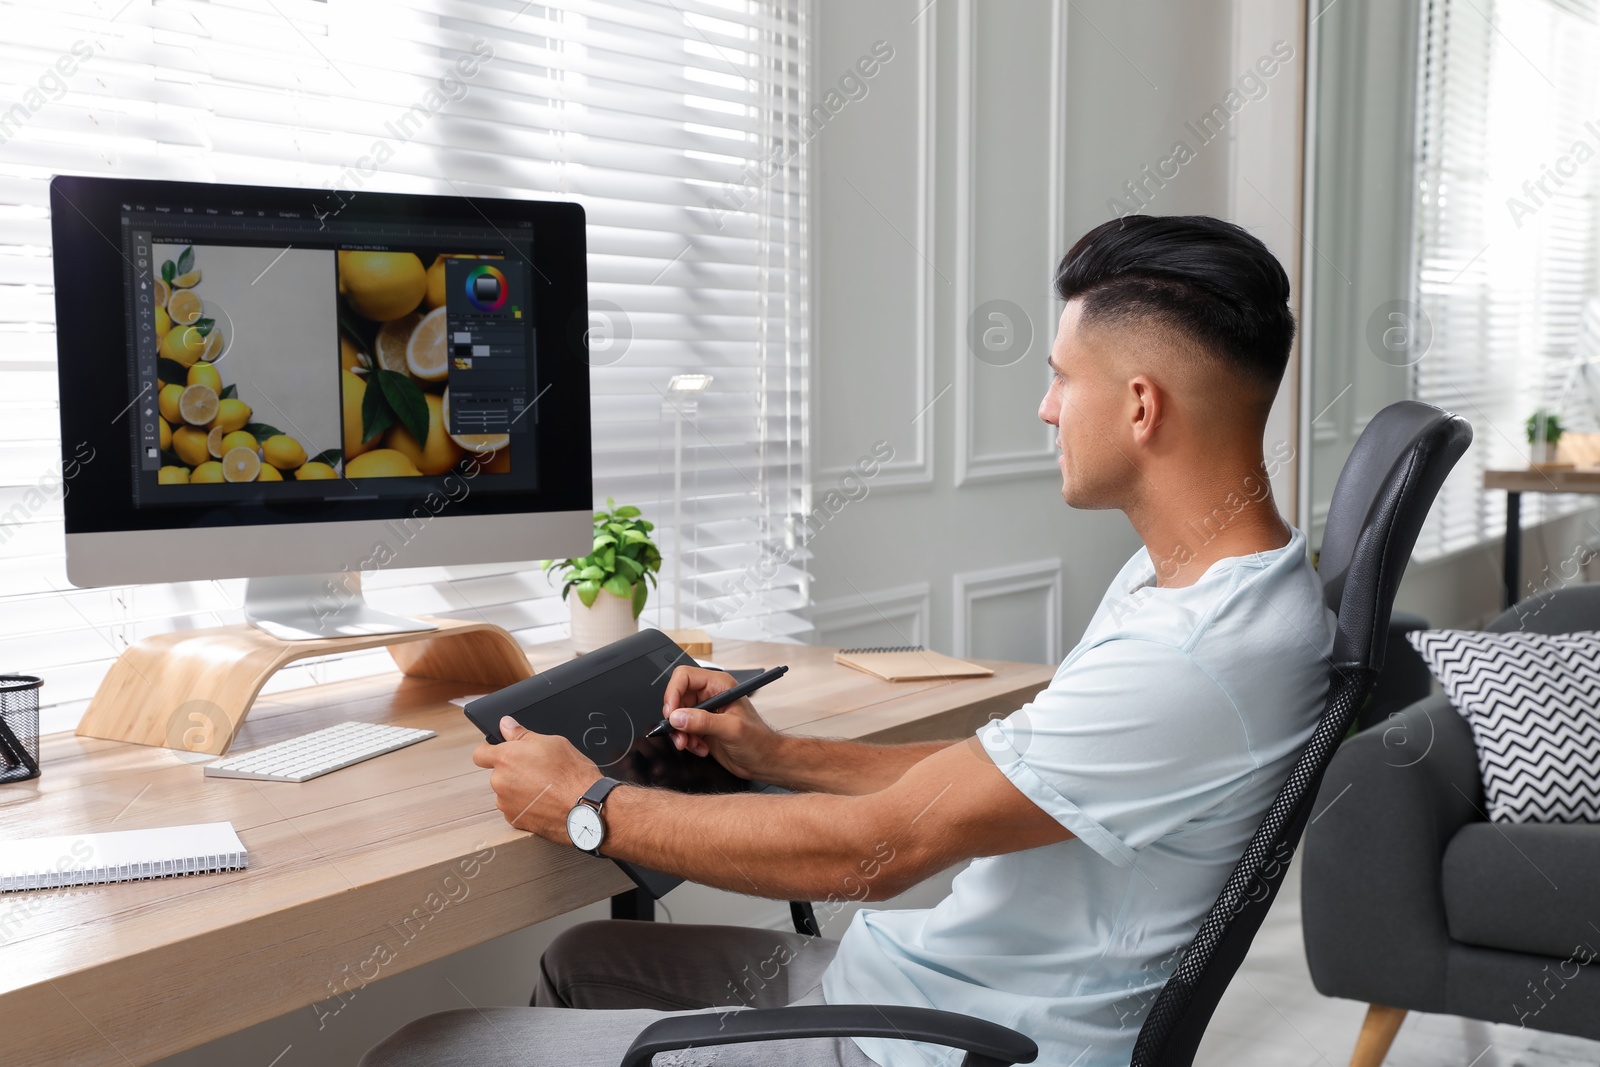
(300, 386)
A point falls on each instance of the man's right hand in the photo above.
(736, 736)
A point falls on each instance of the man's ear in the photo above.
(1147, 406)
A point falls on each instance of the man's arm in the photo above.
(739, 739)
(950, 806)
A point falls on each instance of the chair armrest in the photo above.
(987, 1044)
(1372, 902)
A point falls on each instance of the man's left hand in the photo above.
(536, 778)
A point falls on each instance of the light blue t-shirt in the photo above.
(1159, 743)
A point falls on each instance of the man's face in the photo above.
(1085, 403)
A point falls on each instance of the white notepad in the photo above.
(120, 856)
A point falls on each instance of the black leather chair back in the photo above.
(1379, 503)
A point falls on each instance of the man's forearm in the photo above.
(854, 768)
(803, 847)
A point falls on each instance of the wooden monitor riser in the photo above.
(192, 689)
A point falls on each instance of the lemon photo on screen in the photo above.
(225, 356)
(394, 360)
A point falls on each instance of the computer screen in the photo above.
(310, 365)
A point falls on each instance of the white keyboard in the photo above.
(308, 756)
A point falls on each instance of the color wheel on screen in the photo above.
(486, 288)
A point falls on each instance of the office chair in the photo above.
(1383, 494)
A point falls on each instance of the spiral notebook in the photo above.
(120, 856)
(908, 663)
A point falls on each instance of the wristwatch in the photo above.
(585, 824)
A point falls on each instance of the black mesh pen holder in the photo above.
(19, 727)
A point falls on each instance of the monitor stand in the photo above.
(311, 607)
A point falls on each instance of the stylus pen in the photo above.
(726, 697)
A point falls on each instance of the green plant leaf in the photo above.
(629, 569)
(171, 372)
(376, 415)
(405, 398)
(640, 594)
(634, 537)
(331, 456)
(186, 260)
(587, 592)
(261, 430)
(229, 392)
(205, 326)
(627, 511)
(169, 271)
(619, 585)
(592, 574)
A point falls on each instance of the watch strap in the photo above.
(598, 792)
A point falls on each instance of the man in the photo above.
(1101, 819)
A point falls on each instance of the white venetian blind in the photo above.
(1506, 239)
(674, 123)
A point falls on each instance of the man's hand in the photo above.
(536, 778)
(736, 736)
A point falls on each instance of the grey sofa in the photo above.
(1413, 901)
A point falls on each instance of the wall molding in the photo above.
(917, 470)
(907, 608)
(991, 583)
(972, 466)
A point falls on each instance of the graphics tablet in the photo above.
(604, 703)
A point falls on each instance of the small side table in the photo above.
(1532, 480)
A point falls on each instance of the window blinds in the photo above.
(677, 124)
(1506, 240)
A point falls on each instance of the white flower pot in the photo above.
(611, 619)
(1541, 453)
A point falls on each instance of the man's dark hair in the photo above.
(1208, 279)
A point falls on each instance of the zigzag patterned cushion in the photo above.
(1533, 701)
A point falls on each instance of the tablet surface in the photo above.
(604, 703)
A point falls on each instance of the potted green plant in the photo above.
(606, 590)
(1544, 430)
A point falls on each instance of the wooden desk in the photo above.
(354, 876)
(1531, 480)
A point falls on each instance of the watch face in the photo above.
(585, 828)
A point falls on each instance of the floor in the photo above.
(1271, 1016)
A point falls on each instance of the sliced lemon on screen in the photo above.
(166, 433)
(392, 342)
(211, 350)
(163, 293)
(283, 452)
(232, 414)
(481, 443)
(241, 464)
(381, 463)
(315, 472)
(382, 285)
(214, 442)
(163, 323)
(210, 471)
(184, 307)
(269, 473)
(426, 350)
(436, 282)
(205, 374)
(190, 445)
(167, 400)
(170, 475)
(198, 405)
(186, 281)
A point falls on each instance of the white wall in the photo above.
(998, 134)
